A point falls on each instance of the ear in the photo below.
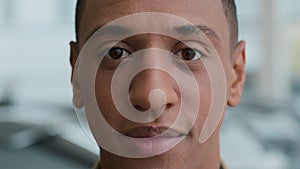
(77, 98)
(238, 74)
(74, 52)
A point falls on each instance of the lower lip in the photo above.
(152, 146)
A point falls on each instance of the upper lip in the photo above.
(150, 131)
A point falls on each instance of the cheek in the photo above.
(204, 88)
(116, 120)
(104, 98)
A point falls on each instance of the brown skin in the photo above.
(189, 153)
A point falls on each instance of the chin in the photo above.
(176, 158)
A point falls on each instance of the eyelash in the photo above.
(108, 54)
(197, 52)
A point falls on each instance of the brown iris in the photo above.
(116, 53)
(188, 54)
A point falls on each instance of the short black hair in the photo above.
(229, 8)
(80, 8)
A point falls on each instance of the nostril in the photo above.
(169, 105)
(140, 108)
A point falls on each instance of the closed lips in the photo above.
(149, 131)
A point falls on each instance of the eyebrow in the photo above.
(116, 30)
(109, 30)
(192, 29)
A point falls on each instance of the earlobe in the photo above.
(238, 75)
(77, 98)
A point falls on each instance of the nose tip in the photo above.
(157, 99)
(153, 89)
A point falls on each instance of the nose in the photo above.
(153, 89)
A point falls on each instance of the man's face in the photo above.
(206, 13)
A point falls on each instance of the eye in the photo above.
(117, 53)
(189, 54)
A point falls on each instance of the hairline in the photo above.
(229, 9)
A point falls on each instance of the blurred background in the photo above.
(39, 128)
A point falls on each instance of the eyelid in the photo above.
(118, 47)
(106, 54)
(105, 47)
(198, 52)
(185, 44)
(116, 43)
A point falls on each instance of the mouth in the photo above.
(148, 132)
(148, 140)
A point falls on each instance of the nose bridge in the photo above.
(153, 40)
(148, 81)
(151, 79)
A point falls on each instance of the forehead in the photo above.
(208, 13)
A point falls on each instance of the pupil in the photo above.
(188, 54)
(115, 53)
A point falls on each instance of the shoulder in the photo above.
(97, 165)
(223, 165)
